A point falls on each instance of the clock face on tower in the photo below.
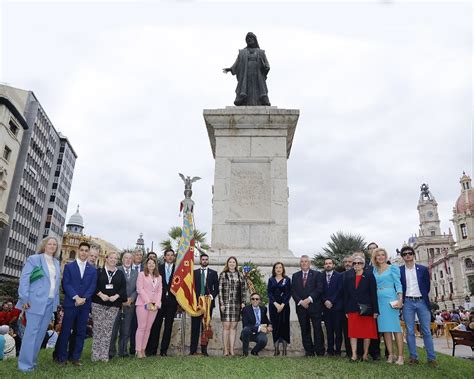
(430, 214)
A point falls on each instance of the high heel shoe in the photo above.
(365, 358)
(399, 361)
(277, 349)
(390, 359)
(285, 345)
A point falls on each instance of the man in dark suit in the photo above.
(307, 290)
(347, 263)
(169, 305)
(206, 283)
(79, 283)
(255, 326)
(124, 317)
(333, 307)
(416, 288)
(137, 266)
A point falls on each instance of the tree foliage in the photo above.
(340, 245)
(175, 234)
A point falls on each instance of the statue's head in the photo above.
(251, 40)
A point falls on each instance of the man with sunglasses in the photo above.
(416, 288)
(255, 326)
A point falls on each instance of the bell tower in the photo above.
(428, 213)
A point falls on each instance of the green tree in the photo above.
(340, 245)
(175, 234)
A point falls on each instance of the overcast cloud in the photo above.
(384, 92)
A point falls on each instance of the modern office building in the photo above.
(31, 187)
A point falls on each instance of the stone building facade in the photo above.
(449, 260)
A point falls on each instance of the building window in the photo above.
(434, 274)
(463, 231)
(468, 263)
(436, 291)
(6, 153)
(13, 127)
(433, 233)
(451, 287)
(470, 280)
(441, 274)
(72, 254)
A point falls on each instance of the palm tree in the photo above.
(175, 234)
(340, 245)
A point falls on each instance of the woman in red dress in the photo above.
(360, 294)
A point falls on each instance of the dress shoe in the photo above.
(61, 363)
(163, 354)
(205, 354)
(245, 354)
(254, 353)
(76, 363)
(413, 361)
(433, 364)
(376, 357)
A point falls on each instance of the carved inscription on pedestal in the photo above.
(250, 191)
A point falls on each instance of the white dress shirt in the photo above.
(413, 290)
(52, 274)
(82, 266)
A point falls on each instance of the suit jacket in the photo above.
(313, 288)
(248, 317)
(365, 293)
(212, 284)
(131, 283)
(424, 282)
(333, 292)
(74, 285)
(37, 293)
(166, 293)
(146, 292)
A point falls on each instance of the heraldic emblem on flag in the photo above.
(183, 280)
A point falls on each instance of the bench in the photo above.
(462, 338)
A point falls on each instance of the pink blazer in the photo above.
(146, 292)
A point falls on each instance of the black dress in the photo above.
(280, 292)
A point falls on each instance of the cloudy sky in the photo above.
(384, 91)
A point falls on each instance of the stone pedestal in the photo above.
(251, 146)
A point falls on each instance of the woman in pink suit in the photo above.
(149, 288)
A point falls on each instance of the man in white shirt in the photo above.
(416, 288)
(79, 284)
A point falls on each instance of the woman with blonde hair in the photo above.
(111, 292)
(232, 298)
(38, 296)
(389, 296)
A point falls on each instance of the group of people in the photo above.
(129, 303)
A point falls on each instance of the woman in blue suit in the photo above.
(38, 296)
(389, 296)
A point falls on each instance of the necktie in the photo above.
(82, 270)
(305, 277)
(128, 273)
(257, 316)
(328, 278)
(168, 274)
(202, 291)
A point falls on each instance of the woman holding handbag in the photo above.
(38, 296)
(389, 295)
(361, 306)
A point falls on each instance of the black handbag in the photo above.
(366, 310)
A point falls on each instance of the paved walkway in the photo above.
(441, 346)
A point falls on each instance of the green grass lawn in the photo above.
(235, 367)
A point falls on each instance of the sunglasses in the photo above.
(255, 298)
(408, 253)
(357, 263)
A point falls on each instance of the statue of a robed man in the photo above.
(251, 68)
